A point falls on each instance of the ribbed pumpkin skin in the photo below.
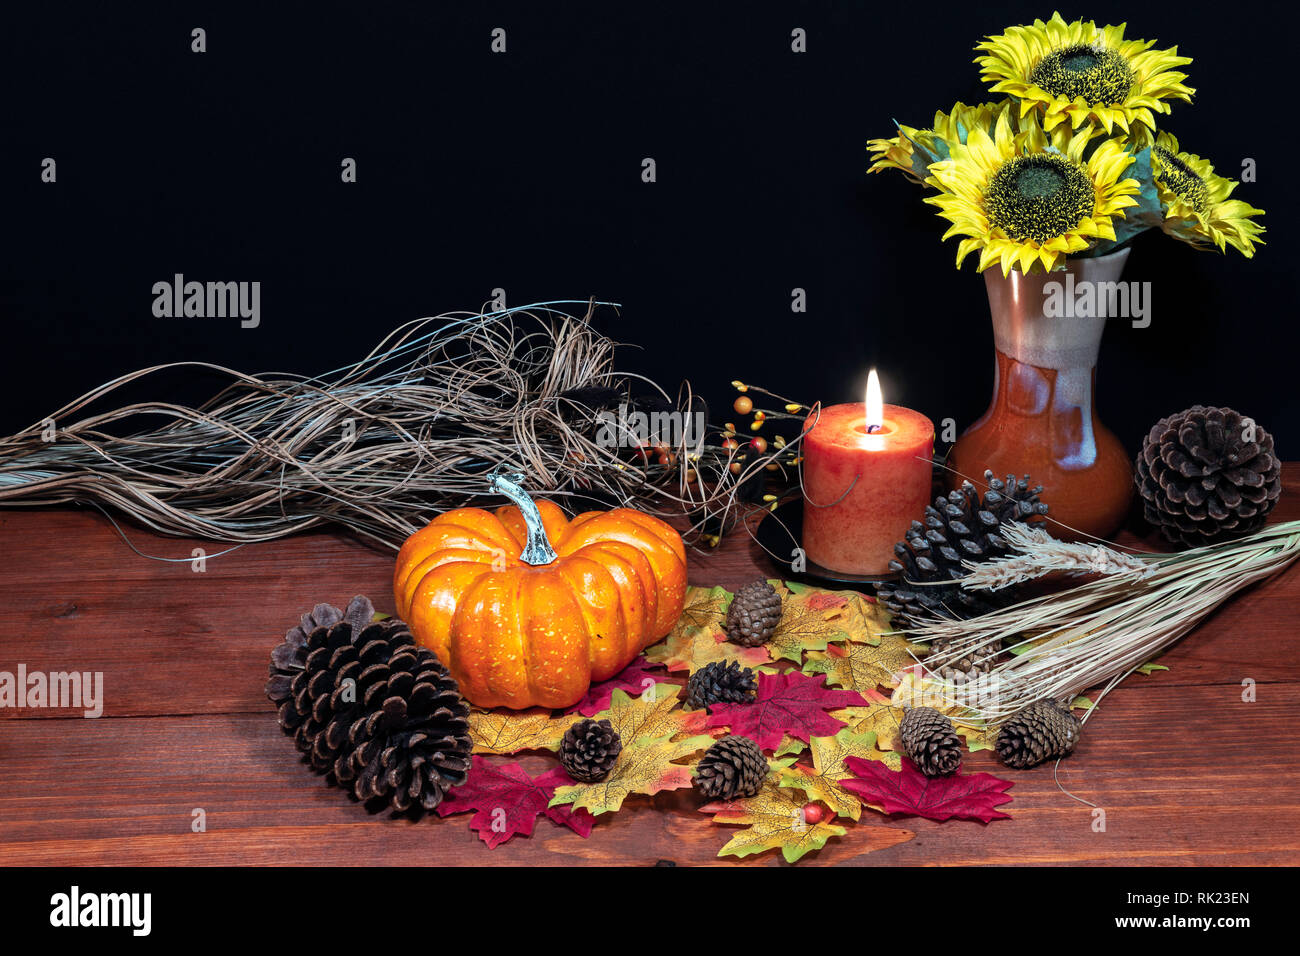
(519, 636)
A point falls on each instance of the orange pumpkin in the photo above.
(520, 623)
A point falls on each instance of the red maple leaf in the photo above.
(507, 801)
(789, 703)
(634, 679)
(967, 796)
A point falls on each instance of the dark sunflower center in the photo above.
(1099, 75)
(1038, 197)
(1181, 179)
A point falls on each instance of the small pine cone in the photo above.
(589, 749)
(370, 708)
(754, 614)
(719, 683)
(964, 526)
(964, 667)
(1202, 480)
(732, 767)
(929, 739)
(1041, 731)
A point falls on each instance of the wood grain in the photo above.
(1185, 770)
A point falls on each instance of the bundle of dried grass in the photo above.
(1094, 634)
(381, 445)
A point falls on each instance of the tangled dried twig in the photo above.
(380, 445)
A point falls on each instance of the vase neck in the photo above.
(1054, 320)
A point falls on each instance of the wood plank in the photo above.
(1185, 776)
(1186, 772)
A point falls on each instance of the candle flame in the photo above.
(875, 403)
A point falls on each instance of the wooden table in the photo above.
(1186, 771)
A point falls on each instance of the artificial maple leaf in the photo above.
(703, 613)
(821, 781)
(979, 735)
(810, 619)
(635, 677)
(682, 653)
(774, 819)
(862, 666)
(790, 745)
(651, 714)
(510, 731)
(645, 766)
(507, 802)
(967, 796)
(868, 620)
(789, 703)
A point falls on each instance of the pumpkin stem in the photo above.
(537, 549)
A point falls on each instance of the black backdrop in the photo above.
(522, 171)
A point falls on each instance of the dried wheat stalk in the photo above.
(1098, 632)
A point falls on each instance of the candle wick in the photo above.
(874, 428)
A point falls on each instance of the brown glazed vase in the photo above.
(1042, 420)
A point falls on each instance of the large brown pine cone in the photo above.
(370, 708)
(721, 683)
(964, 526)
(1043, 730)
(930, 740)
(732, 767)
(1207, 474)
(754, 613)
(589, 749)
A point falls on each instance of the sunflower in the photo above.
(901, 151)
(1077, 72)
(1196, 204)
(1029, 198)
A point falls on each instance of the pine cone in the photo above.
(961, 527)
(370, 708)
(1202, 480)
(732, 767)
(719, 683)
(929, 739)
(1041, 731)
(967, 666)
(589, 749)
(754, 614)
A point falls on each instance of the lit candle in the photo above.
(866, 477)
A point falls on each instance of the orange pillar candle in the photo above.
(866, 478)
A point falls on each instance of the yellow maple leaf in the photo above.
(810, 619)
(774, 819)
(681, 651)
(644, 766)
(651, 714)
(861, 666)
(867, 620)
(821, 781)
(509, 731)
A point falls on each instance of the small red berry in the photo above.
(813, 813)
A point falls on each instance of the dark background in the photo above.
(523, 171)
